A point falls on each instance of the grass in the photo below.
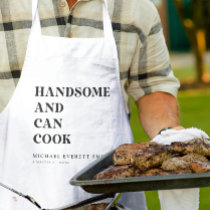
(185, 73)
(188, 73)
(194, 112)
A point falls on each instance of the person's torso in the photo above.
(84, 20)
(66, 111)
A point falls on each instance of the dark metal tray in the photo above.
(84, 180)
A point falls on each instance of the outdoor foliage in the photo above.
(194, 15)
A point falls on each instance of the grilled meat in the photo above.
(200, 167)
(113, 172)
(160, 172)
(175, 163)
(182, 163)
(144, 155)
(199, 146)
(151, 172)
(186, 171)
(124, 153)
(99, 206)
(193, 156)
(151, 157)
(137, 173)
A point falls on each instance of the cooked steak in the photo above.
(151, 172)
(199, 146)
(144, 155)
(200, 167)
(179, 172)
(124, 153)
(194, 156)
(160, 172)
(99, 206)
(113, 172)
(151, 157)
(182, 163)
(175, 163)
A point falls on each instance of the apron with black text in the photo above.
(67, 111)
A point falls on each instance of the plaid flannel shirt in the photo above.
(143, 55)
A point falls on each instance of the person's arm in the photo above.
(157, 111)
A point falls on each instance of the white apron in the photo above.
(67, 110)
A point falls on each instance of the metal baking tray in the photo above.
(131, 184)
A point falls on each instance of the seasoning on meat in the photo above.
(161, 172)
(199, 146)
(124, 153)
(117, 172)
(144, 155)
(97, 206)
(182, 163)
(100, 206)
(200, 167)
(151, 157)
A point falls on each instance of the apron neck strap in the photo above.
(107, 25)
(36, 26)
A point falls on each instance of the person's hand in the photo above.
(168, 136)
(180, 199)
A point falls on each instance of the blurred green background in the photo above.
(194, 112)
